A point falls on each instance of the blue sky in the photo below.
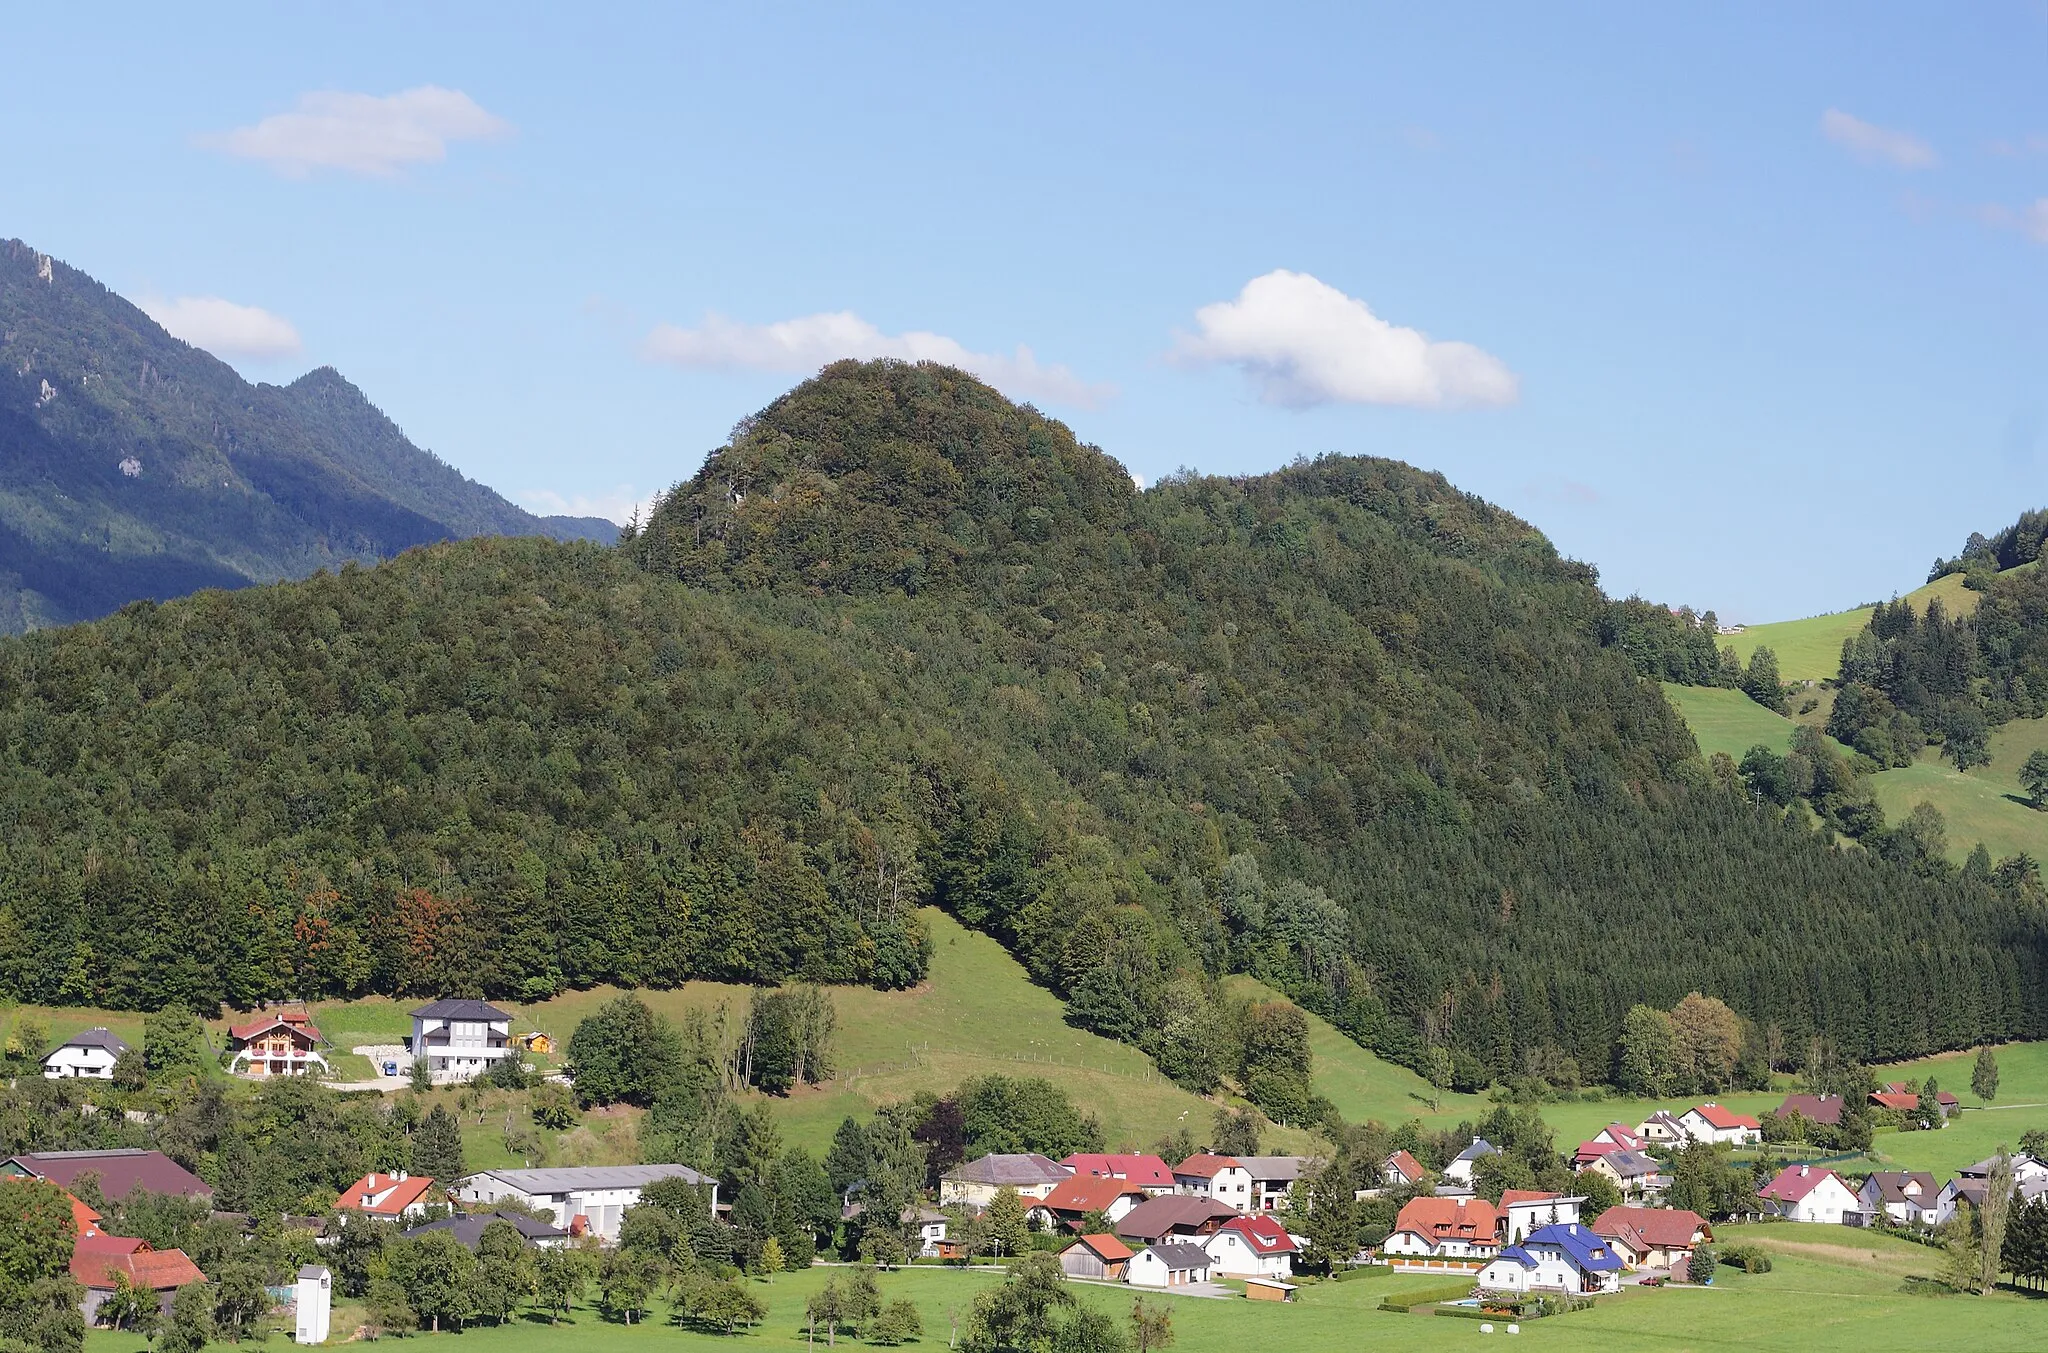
(1749, 309)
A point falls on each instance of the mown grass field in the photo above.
(1831, 1289)
(1728, 721)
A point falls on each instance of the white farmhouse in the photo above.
(598, 1194)
(460, 1040)
(1170, 1263)
(1810, 1193)
(90, 1055)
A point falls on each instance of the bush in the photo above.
(1748, 1258)
(1404, 1302)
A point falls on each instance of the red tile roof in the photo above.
(95, 1263)
(1108, 1248)
(1948, 1101)
(402, 1194)
(1146, 1171)
(1409, 1167)
(84, 1221)
(1642, 1228)
(1622, 1135)
(1263, 1234)
(1796, 1181)
(1437, 1219)
(1089, 1193)
(1203, 1165)
(1724, 1118)
(1895, 1099)
(1590, 1151)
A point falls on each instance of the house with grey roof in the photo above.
(584, 1199)
(1273, 1177)
(1171, 1263)
(975, 1183)
(469, 1228)
(90, 1055)
(1460, 1170)
(460, 1039)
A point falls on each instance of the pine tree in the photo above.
(772, 1260)
(437, 1150)
(1984, 1076)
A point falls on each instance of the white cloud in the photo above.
(619, 505)
(366, 134)
(1871, 143)
(2031, 220)
(812, 341)
(224, 328)
(1307, 343)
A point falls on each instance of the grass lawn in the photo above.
(1980, 1129)
(1728, 721)
(1831, 1289)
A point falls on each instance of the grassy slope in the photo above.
(2022, 1103)
(1811, 649)
(1831, 1289)
(1983, 805)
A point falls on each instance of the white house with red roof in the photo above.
(1223, 1178)
(1402, 1169)
(1653, 1237)
(1149, 1173)
(1661, 1128)
(1714, 1124)
(1523, 1211)
(1443, 1234)
(1810, 1193)
(389, 1197)
(277, 1043)
(1251, 1247)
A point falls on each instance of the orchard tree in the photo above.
(1984, 1076)
(2034, 777)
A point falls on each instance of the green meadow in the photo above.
(1830, 1289)
(1811, 649)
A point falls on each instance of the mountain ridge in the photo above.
(134, 465)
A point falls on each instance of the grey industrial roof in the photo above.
(1000, 1170)
(1181, 1255)
(580, 1178)
(460, 1009)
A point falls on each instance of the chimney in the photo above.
(1802, 1171)
(399, 1177)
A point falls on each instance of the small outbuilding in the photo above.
(1097, 1256)
(1168, 1264)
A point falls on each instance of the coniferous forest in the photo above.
(902, 642)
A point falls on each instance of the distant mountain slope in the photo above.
(134, 465)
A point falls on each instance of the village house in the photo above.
(1456, 1234)
(1223, 1178)
(284, 1043)
(1273, 1179)
(88, 1056)
(1251, 1247)
(1566, 1258)
(1661, 1128)
(975, 1183)
(468, 1229)
(387, 1197)
(1903, 1197)
(1614, 1137)
(1652, 1237)
(1102, 1257)
(1825, 1110)
(460, 1040)
(1074, 1199)
(1635, 1174)
(1809, 1193)
(1526, 1210)
(121, 1170)
(930, 1225)
(1713, 1124)
(1398, 1171)
(1173, 1216)
(1459, 1171)
(1895, 1095)
(1149, 1173)
(100, 1264)
(585, 1199)
(1168, 1264)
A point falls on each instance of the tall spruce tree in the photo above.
(437, 1149)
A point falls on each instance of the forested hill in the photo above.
(1340, 726)
(133, 465)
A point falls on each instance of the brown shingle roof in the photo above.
(1663, 1227)
(1163, 1215)
(1013, 1171)
(120, 1171)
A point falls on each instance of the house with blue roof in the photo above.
(1567, 1257)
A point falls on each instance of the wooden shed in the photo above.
(1097, 1256)
(1268, 1289)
